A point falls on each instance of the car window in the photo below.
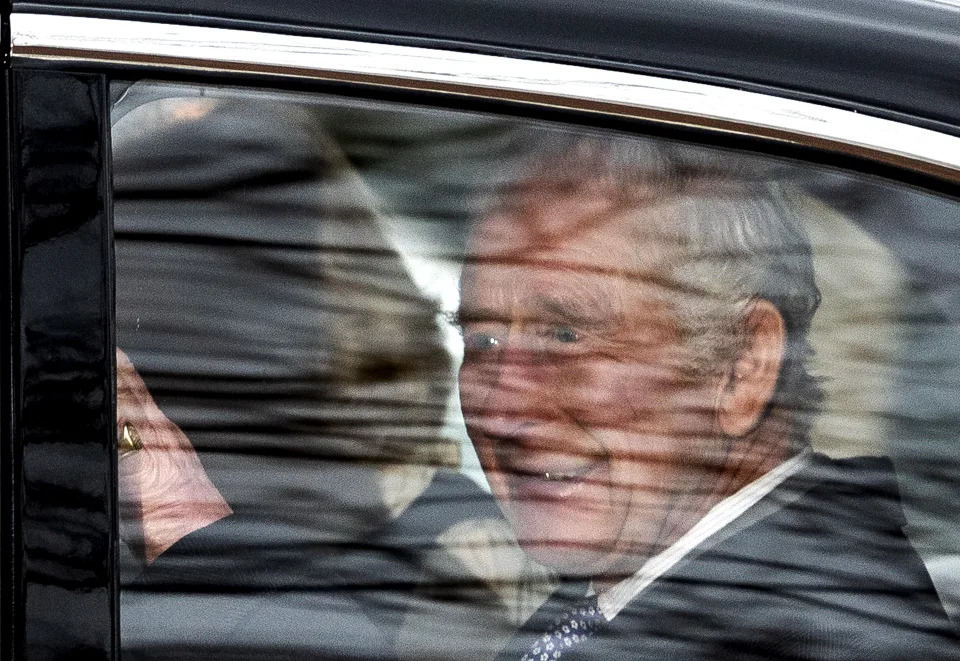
(401, 381)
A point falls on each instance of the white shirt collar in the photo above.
(615, 599)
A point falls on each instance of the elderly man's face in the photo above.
(596, 444)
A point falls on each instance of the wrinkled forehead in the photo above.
(586, 237)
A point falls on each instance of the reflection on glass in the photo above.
(641, 436)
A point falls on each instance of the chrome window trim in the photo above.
(71, 39)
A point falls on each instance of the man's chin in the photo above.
(568, 557)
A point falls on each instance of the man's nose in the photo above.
(514, 394)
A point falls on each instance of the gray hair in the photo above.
(737, 228)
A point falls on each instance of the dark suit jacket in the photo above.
(820, 569)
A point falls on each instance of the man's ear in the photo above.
(746, 389)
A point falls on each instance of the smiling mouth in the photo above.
(561, 476)
(556, 482)
(528, 484)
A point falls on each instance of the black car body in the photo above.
(859, 86)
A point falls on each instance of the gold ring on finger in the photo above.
(129, 441)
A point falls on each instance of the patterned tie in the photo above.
(570, 629)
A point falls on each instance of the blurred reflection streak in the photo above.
(279, 329)
(264, 301)
(560, 387)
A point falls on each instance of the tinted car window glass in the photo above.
(405, 382)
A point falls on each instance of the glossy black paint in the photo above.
(856, 53)
(9, 559)
(63, 379)
(895, 58)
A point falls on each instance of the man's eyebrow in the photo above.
(590, 311)
(592, 308)
(467, 315)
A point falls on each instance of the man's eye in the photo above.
(480, 342)
(565, 334)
